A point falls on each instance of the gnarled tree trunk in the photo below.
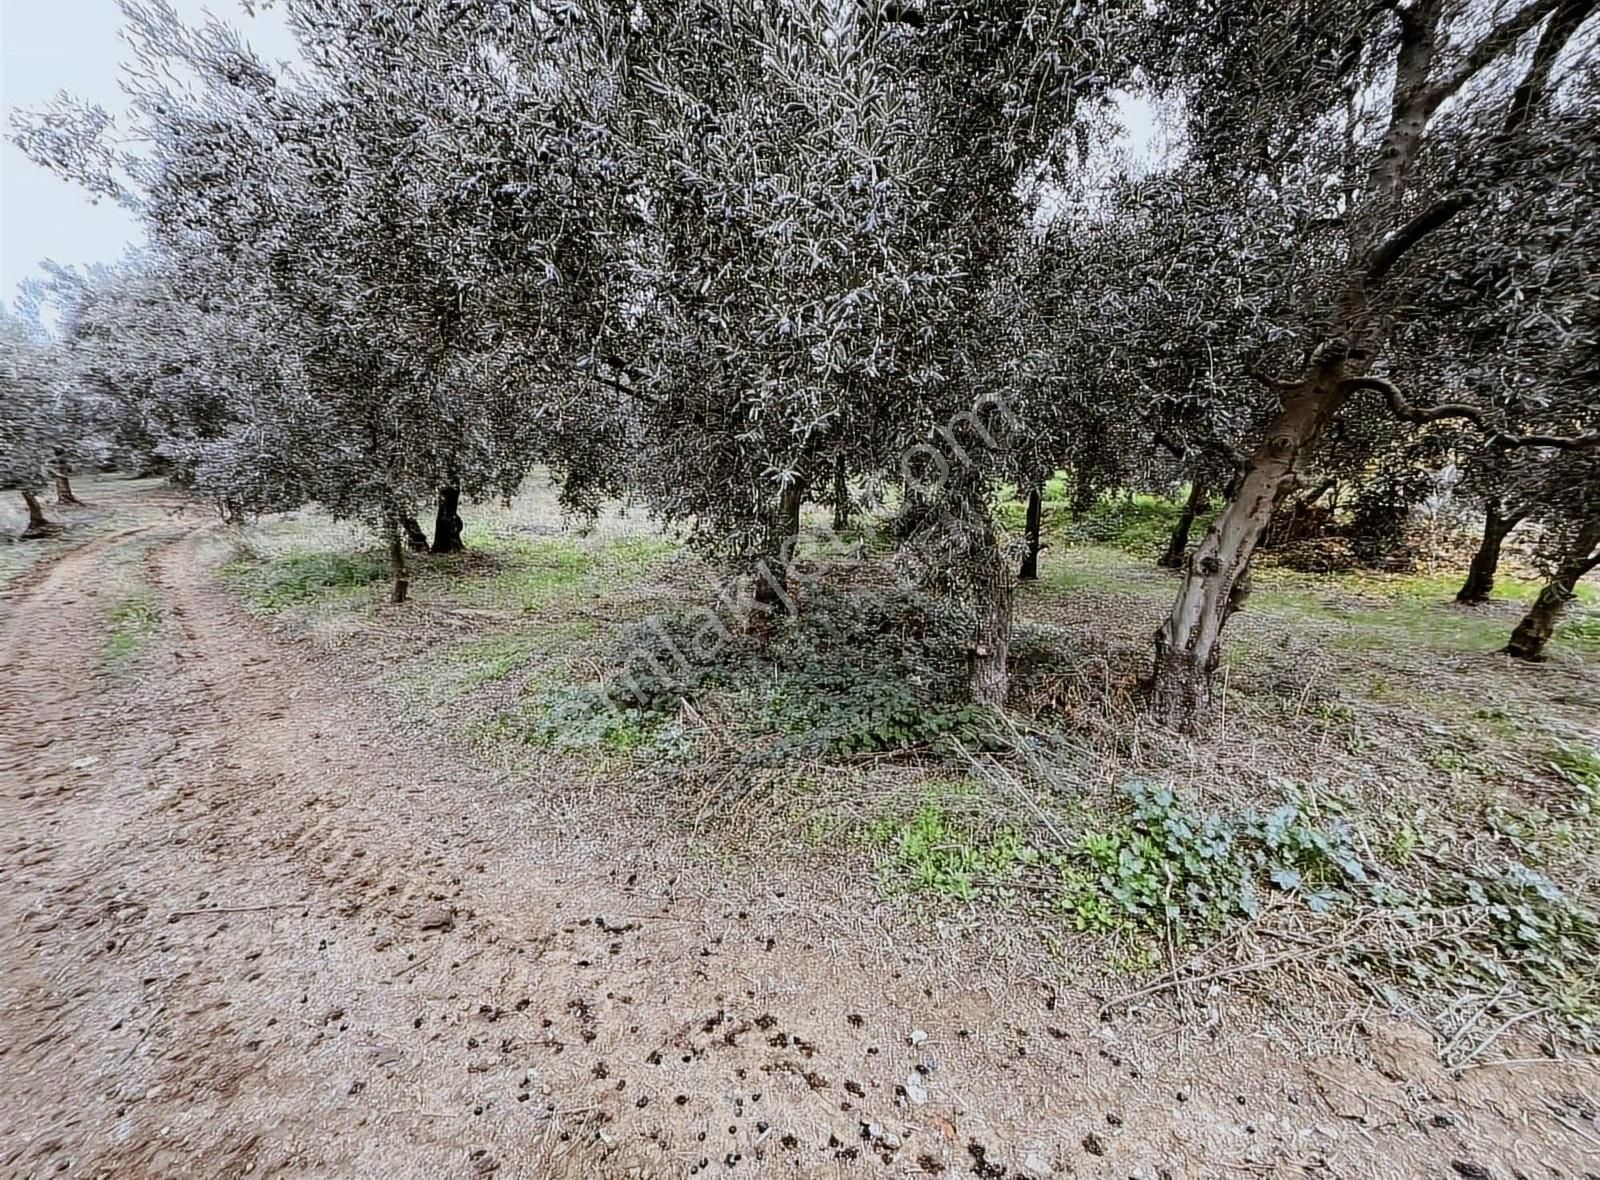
(1179, 544)
(1497, 526)
(1529, 639)
(1030, 555)
(63, 474)
(1216, 576)
(38, 524)
(988, 662)
(447, 524)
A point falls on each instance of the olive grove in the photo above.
(725, 259)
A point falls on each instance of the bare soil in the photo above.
(254, 923)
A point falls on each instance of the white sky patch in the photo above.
(47, 46)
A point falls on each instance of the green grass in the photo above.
(130, 625)
(936, 851)
(533, 575)
(16, 559)
(287, 580)
(456, 670)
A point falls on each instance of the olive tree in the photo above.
(30, 424)
(1365, 99)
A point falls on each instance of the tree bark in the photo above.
(447, 524)
(988, 663)
(1030, 556)
(63, 474)
(1215, 577)
(38, 524)
(416, 539)
(1529, 639)
(400, 576)
(1178, 546)
(841, 497)
(772, 590)
(1497, 526)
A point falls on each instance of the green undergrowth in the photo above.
(858, 673)
(537, 651)
(1140, 524)
(1159, 872)
(130, 625)
(279, 582)
(501, 571)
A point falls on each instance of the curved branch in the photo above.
(1408, 235)
(628, 390)
(1404, 410)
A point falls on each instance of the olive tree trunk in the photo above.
(38, 524)
(63, 475)
(416, 539)
(772, 589)
(841, 497)
(1178, 546)
(447, 524)
(988, 662)
(1188, 645)
(1497, 526)
(1529, 639)
(400, 577)
(1029, 572)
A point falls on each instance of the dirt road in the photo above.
(251, 924)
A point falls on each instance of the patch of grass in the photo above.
(857, 673)
(17, 558)
(1579, 765)
(574, 718)
(1163, 872)
(932, 850)
(532, 575)
(1105, 568)
(130, 625)
(287, 580)
(1377, 620)
(1579, 631)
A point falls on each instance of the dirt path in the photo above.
(249, 925)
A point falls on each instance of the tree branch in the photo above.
(1165, 440)
(1276, 384)
(1535, 85)
(1394, 247)
(610, 383)
(1404, 410)
(1495, 42)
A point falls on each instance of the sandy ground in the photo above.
(251, 924)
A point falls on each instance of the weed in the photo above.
(1579, 765)
(935, 853)
(856, 673)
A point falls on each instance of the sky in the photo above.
(47, 46)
